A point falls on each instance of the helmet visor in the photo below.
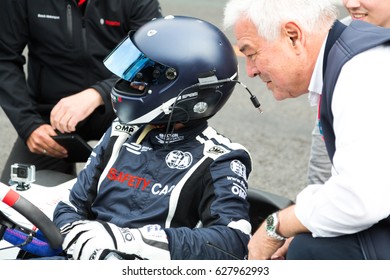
(126, 60)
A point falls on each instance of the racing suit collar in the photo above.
(159, 136)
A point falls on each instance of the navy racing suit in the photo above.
(194, 187)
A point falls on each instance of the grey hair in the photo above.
(268, 15)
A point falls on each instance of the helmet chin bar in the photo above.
(216, 82)
(164, 108)
(168, 107)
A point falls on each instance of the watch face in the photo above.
(270, 222)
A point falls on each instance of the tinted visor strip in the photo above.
(121, 60)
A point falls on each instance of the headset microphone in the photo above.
(253, 98)
(210, 83)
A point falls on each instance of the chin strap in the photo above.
(145, 131)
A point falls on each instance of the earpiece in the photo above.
(208, 84)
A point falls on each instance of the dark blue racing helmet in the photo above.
(175, 69)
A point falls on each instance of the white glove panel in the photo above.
(92, 239)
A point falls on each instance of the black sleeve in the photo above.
(104, 89)
(15, 100)
(139, 13)
(144, 11)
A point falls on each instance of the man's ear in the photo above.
(293, 32)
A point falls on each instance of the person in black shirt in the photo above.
(67, 89)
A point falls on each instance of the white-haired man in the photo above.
(298, 47)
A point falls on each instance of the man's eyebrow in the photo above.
(244, 48)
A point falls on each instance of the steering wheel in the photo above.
(51, 241)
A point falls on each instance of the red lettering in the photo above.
(112, 174)
(126, 177)
(132, 181)
(146, 183)
(112, 23)
(119, 177)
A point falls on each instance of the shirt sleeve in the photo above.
(357, 194)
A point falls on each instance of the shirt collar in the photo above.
(316, 81)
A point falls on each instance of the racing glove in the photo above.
(95, 239)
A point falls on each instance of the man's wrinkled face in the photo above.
(276, 63)
(373, 11)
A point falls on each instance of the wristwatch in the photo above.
(271, 225)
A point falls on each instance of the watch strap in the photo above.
(272, 223)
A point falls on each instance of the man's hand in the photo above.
(281, 253)
(40, 142)
(261, 246)
(89, 239)
(71, 110)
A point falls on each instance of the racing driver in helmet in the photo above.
(162, 183)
